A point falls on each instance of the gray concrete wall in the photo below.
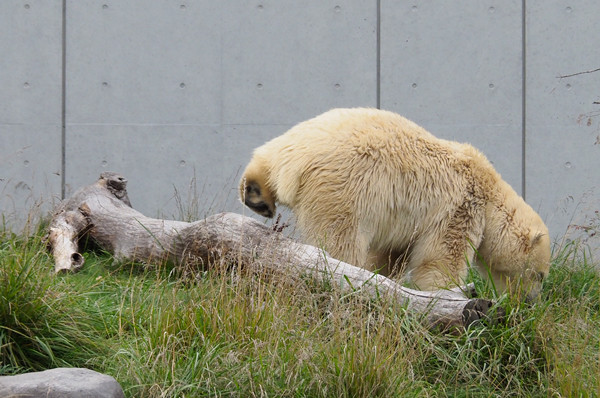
(30, 107)
(172, 92)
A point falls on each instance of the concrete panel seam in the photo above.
(378, 54)
(63, 100)
(523, 98)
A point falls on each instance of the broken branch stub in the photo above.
(103, 212)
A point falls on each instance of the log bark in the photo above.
(103, 212)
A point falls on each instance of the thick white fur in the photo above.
(376, 189)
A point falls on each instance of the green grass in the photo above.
(233, 334)
(42, 323)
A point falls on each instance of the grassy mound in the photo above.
(231, 334)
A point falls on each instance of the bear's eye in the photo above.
(253, 189)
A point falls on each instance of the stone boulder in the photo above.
(61, 383)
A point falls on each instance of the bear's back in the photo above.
(375, 154)
(373, 135)
(354, 125)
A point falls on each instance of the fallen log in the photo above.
(102, 211)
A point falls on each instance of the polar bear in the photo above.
(378, 191)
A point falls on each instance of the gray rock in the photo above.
(61, 383)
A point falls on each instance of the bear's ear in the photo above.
(530, 240)
(537, 237)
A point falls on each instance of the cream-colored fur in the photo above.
(377, 190)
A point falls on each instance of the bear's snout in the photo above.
(261, 208)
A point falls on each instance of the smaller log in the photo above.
(64, 232)
(103, 212)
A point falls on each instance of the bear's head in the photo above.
(537, 265)
(521, 269)
(255, 191)
(515, 250)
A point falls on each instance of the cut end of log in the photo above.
(77, 260)
(480, 310)
(74, 265)
(63, 237)
(116, 184)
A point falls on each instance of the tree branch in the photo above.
(103, 212)
(578, 73)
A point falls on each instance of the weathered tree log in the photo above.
(103, 212)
